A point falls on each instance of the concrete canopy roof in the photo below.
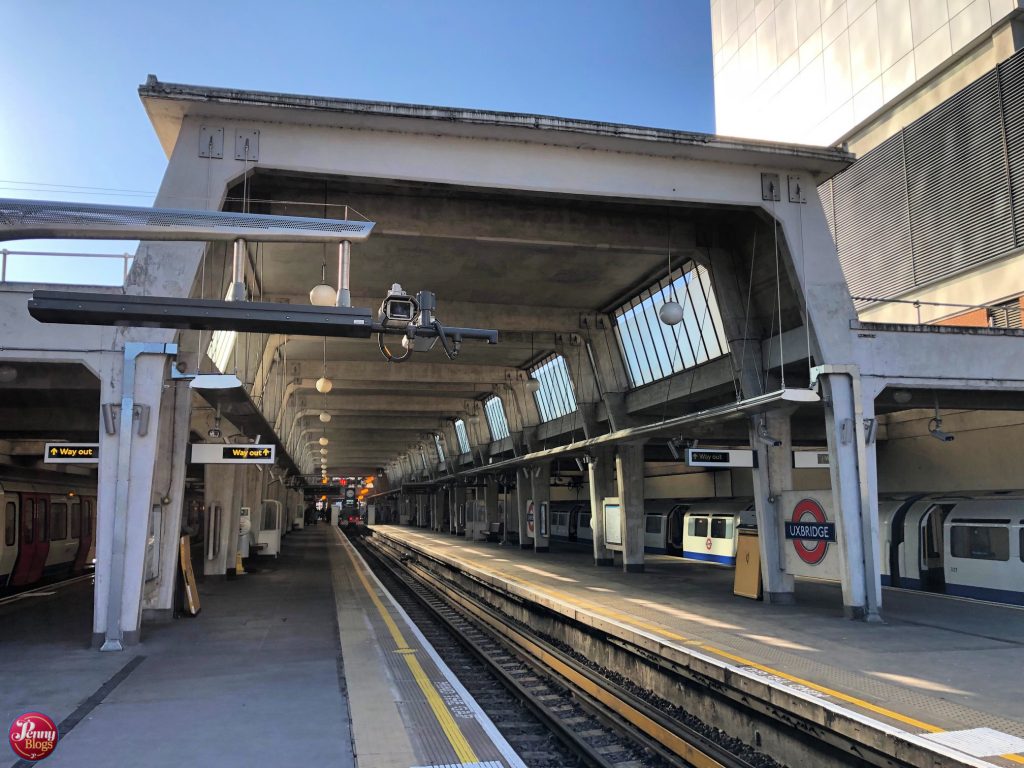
(537, 262)
(167, 104)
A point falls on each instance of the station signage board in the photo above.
(811, 460)
(812, 533)
(218, 453)
(715, 457)
(71, 453)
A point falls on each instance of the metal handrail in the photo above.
(917, 304)
(5, 252)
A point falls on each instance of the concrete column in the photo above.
(231, 517)
(629, 472)
(869, 522)
(491, 501)
(774, 474)
(458, 508)
(439, 509)
(403, 508)
(219, 485)
(125, 498)
(602, 473)
(856, 513)
(524, 492)
(541, 484)
(168, 493)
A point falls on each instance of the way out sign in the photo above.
(218, 453)
(71, 453)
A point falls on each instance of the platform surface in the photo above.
(951, 670)
(259, 678)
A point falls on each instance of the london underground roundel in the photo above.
(810, 531)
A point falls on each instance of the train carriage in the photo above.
(49, 528)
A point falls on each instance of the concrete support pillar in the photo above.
(773, 475)
(491, 500)
(231, 516)
(524, 493)
(126, 494)
(458, 509)
(854, 492)
(541, 485)
(403, 509)
(219, 485)
(440, 509)
(602, 473)
(629, 472)
(168, 493)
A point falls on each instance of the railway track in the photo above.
(44, 590)
(551, 707)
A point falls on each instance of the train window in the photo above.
(699, 527)
(10, 524)
(28, 520)
(720, 528)
(653, 524)
(58, 522)
(977, 542)
(76, 520)
(585, 521)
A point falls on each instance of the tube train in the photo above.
(49, 527)
(699, 529)
(967, 545)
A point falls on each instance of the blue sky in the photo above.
(72, 116)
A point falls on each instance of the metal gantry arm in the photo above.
(25, 219)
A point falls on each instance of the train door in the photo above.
(675, 527)
(33, 543)
(932, 546)
(82, 527)
(9, 544)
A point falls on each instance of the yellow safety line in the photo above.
(632, 619)
(455, 736)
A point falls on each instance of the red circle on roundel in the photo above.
(812, 555)
(33, 736)
(707, 544)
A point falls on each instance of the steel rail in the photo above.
(652, 729)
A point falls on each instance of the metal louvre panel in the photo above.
(959, 199)
(825, 195)
(1006, 315)
(1011, 74)
(873, 238)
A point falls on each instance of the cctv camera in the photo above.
(945, 437)
(214, 432)
(770, 441)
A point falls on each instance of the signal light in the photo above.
(344, 481)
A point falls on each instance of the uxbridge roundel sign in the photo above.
(810, 531)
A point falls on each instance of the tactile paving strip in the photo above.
(979, 742)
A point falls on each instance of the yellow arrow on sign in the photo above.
(53, 451)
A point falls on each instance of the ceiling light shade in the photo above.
(323, 296)
(324, 441)
(532, 385)
(324, 385)
(671, 313)
(325, 417)
(323, 451)
(902, 396)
